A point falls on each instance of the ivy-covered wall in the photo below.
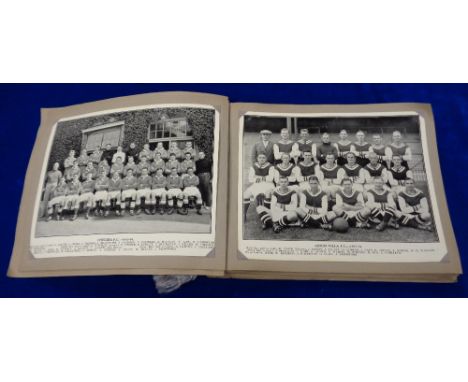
(68, 134)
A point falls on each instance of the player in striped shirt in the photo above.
(384, 153)
(361, 149)
(398, 174)
(71, 200)
(87, 194)
(57, 201)
(374, 169)
(414, 207)
(144, 191)
(306, 169)
(114, 194)
(330, 176)
(304, 144)
(283, 146)
(174, 191)
(190, 184)
(382, 206)
(283, 206)
(313, 206)
(101, 201)
(158, 192)
(354, 172)
(350, 205)
(287, 169)
(398, 147)
(343, 146)
(129, 186)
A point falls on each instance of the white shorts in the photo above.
(113, 195)
(158, 193)
(87, 197)
(145, 192)
(259, 188)
(129, 194)
(313, 211)
(100, 196)
(278, 213)
(57, 200)
(192, 191)
(174, 193)
(71, 199)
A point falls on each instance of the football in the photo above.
(340, 225)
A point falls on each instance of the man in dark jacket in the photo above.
(265, 146)
(204, 167)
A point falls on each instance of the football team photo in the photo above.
(356, 178)
(131, 171)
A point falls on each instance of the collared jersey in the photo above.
(351, 199)
(87, 186)
(144, 182)
(283, 198)
(173, 181)
(115, 184)
(380, 198)
(412, 200)
(330, 173)
(129, 183)
(159, 181)
(190, 181)
(101, 184)
(314, 200)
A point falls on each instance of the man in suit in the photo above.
(265, 146)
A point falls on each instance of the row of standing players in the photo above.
(315, 195)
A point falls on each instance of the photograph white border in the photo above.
(340, 251)
(178, 244)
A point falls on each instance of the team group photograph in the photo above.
(151, 169)
(350, 179)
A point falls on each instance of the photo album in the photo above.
(188, 183)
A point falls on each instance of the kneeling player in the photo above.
(129, 185)
(414, 207)
(283, 206)
(190, 183)
(381, 205)
(313, 206)
(100, 197)
(144, 191)
(87, 194)
(57, 201)
(158, 192)
(350, 205)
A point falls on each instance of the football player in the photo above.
(163, 154)
(172, 163)
(144, 191)
(96, 155)
(114, 195)
(354, 172)
(73, 171)
(174, 191)
(324, 149)
(103, 167)
(144, 163)
(146, 153)
(374, 169)
(283, 206)
(57, 200)
(350, 205)
(186, 163)
(361, 149)
(330, 176)
(119, 154)
(384, 153)
(174, 149)
(343, 146)
(87, 194)
(398, 147)
(288, 170)
(313, 206)
(52, 179)
(83, 160)
(398, 174)
(117, 166)
(71, 200)
(129, 185)
(68, 164)
(189, 149)
(414, 207)
(158, 163)
(283, 146)
(158, 192)
(304, 144)
(89, 169)
(101, 196)
(381, 204)
(306, 169)
(131, 165)
(190, 184)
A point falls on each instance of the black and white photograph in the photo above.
(130, 171)
(335, 178)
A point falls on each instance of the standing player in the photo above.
(189, 149)
(89, 169)
(101, 196)
(57, 200)
(261, 176)
(414, 207)
(174, 190)
(68, 164)
(187, 163)
(361, 149)
(103, 167)
(306, 169)
(52, 179)
(381, 204)
(174, 149)
(71, 200)
(96, 155)
(87, 194)
(354, 172)
(131, 165)
(146, 153)
(163, 154)
(288, 170)
(144, 191)
(129, 186)
(117, 167)
(83, 160)
(283, 146)
(350, 205)
(304, 144)
(283, 206)
(172, 163)
(398, 175)
(73, 171)
(384, 153)
(330, 176)
(313, 206)
(158, 192)
(190, 183)
(343, 146)
(398, 147)
(373, 170)
(119, 154)
(114, 195)
(325, 148)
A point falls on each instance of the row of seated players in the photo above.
(313, 208)
(151, 193)
(82, 169)
(265, 176)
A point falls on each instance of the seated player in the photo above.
(288, 170)
(131, 165)
(189, 149)
(71, 200)
(114, 194)
(158, 163)
(89, 169)
(325, 148)
(174, 191)
(117, 167)
(304, 144)
(57, 201)
(261, 176)
(374, 169)
(103, 167)
(190, 184)
(163, 154)
(350, 205)
(306, 169)
(96, 155)
(172, 163)
(354, 172)
(158, 192)
(343, 146)
(330, 176)
(87, 194)
(146, 153)
(398, 147)
(384, 153)
(313, 206)
(398, 174)
(361, 149)
(283, 146)
(129, 186)
(186, 163)
(144, 191)
(382, 206)
(101, 195)
(72, 172)
(144, 163)
(68, 164)
(174, 149)
(414, 207)
(83, 160)
(283, 206)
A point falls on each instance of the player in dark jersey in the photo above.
(71, 200)
(57, 199)
(354, 172)
(158, 192)
(384, 153)
(374, 170)
(325, 148)
(261, 176)
(114, 192)
(87, 194)
(283, 146)
(287, 169)
(344, 146)
(330, 176)
(306, 169)
(398, 147)
(350, 205)
(398, 174)
(382, 206)
(414, 207)
(303, 145)
(144, 192)
(129, 186)
(313, 206)
(361, 149)
(283, 206)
